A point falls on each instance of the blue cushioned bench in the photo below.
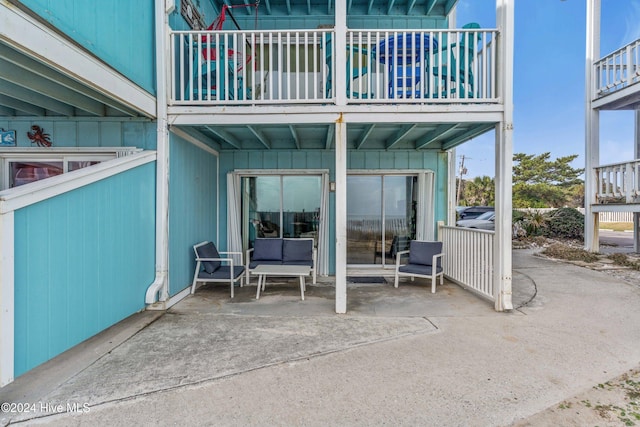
(275, 251)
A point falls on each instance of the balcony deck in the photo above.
(403, 89)
(616, 79)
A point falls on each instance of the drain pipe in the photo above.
(160, 284)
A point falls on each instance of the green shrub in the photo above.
(567, 223)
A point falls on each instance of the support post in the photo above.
(636, 155)
(341, 216)
(504, 160)
(592, 131)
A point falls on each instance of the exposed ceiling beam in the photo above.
(42, 70)
(199, 136)
(25, 107)
(449, 6)
(267, 5)
(399, 136)
(412, 3)
(288, 7)
(249, 7)
(30, 80)
(6, 111)
(296, 138)
(471, 133)
(32, 97)
(438, 132)
(329, 139)
(390, 6)
(329, 4)
(261, 137)
(370, 8)
(225, 136)
(430, 5)
(309, 7)
(349, 6)
(364, 135)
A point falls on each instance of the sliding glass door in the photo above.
(381, 217)
(280, 206)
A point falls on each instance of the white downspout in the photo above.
(160, 284)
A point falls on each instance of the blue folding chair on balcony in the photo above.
(215, 67)
(355, 70)
(456, 71)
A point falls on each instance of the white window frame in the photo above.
(64, 156)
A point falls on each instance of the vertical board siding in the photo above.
(192, 208)
(80, 133)
(114, 31)
(83, 261)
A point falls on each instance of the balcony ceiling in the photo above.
(360, 136)
(435, 8)
(29, 87)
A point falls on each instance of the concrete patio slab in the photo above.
(211, 361)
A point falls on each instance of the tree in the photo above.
(541, 182)
(479, 192)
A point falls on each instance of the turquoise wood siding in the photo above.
(192, 208)
(119, 32)
(434, 160)
(87, 133)
(83, 261)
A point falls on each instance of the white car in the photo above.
(483, 222)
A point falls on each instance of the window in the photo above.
(23, 166)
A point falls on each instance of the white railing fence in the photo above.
(604, 216)
(618, 69)
(468, 258)
(618, 183)
(299, 66)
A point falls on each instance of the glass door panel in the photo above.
(261, 196)
(399, 215)
(364, 218)
(280, 206)
(300, 205)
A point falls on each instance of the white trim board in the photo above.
(25, 195)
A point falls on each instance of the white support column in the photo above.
(341, 157)
(592, 131)
(504, 159)
(636, 154)
(341, 216)
(7, 312)
(339, 76)
(451, 191)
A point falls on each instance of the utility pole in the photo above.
(463, 171)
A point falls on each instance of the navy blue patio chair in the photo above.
(425, 260)
(210, 268)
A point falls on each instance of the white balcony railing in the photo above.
(280, 67)
(618, 183)
(618, 69)
(468, 258)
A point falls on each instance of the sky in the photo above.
(549, 80)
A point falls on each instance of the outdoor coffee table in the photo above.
(265, 270)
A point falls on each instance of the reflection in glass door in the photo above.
(381, 217)
(280, 206)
